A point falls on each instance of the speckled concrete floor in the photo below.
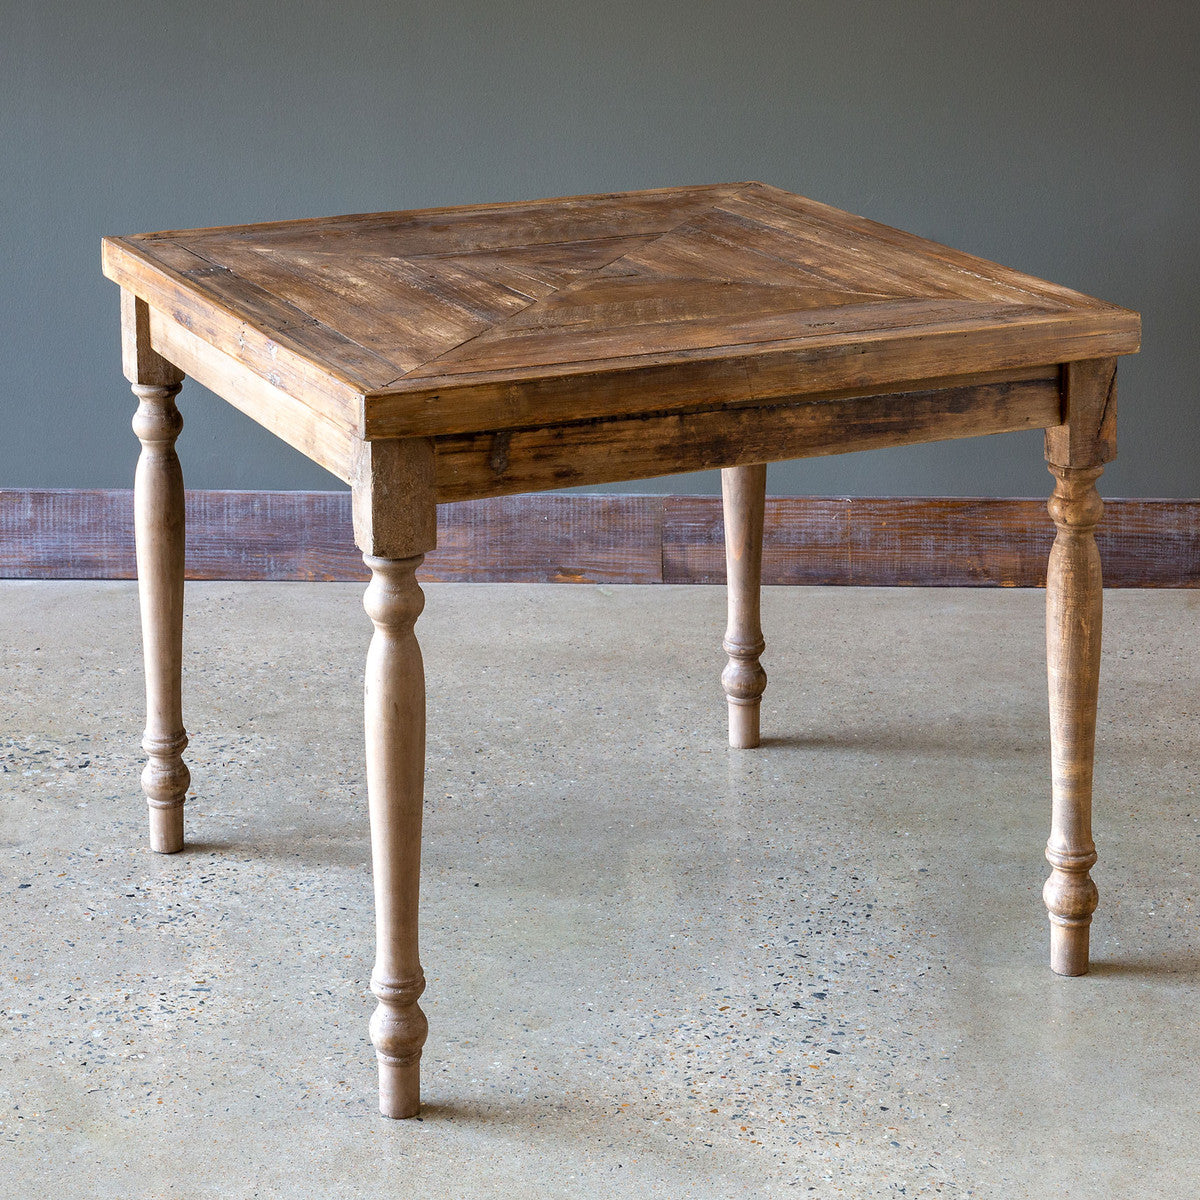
(656, 967)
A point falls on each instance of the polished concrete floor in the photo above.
(657, 967)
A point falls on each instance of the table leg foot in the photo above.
(744, 725)
(399, 1089)
(166, 831)
(395, 734)
(1073, 622)
(743, 491)
(1069, 949)
(398, 1031)
(165, 780)
(159, 533)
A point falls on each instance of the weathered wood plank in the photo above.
(603, 321)
(789, 212)
(887, 542)
(453, 321)
(550, 539)
(841, 362)
(1088, 435)
(88, 534)
(932, 542)
(582, 453)
(320, 438)
(466, 229)
(284, 346)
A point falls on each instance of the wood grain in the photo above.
(581, 453)
(549, 539)
(1074, 607)
(455, 321)
(607, 538)
(1088, 435)
(931, 542)
(912, 356)
(392, 498)
(139, 360)
(394, 721)
(159, 525)
(321, 437)
(743, 503)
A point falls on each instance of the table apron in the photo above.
(323, 440)
(495, 463)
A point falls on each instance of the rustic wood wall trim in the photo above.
(894, 541)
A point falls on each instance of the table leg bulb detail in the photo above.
(159, 534)
(1073, 626)
(165, 780)
(395, 737)
(398, 1030)
(743, 492)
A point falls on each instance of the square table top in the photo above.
(451, 320)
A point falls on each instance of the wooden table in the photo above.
(455, 353)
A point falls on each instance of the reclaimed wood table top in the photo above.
(464, 321)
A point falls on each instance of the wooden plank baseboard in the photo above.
(933, 542)
(607, 538)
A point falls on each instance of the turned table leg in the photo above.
(395, 522)
(395, 728)
(1076, 452)
(158, 517)
(743, 492)
(1073, 620)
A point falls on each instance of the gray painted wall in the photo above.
(1059, 137)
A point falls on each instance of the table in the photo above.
(454, 353)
